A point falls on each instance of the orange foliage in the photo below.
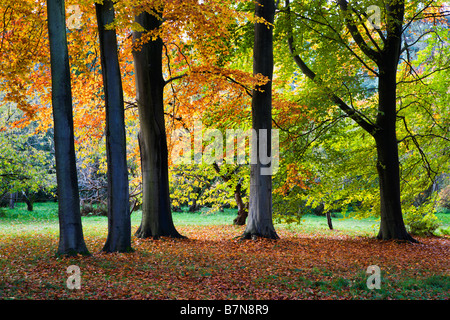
(202, 85)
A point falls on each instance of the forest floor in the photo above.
(307, 262)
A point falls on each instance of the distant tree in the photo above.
(25, 167)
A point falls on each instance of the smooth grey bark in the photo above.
(119, 224)
(259, 221)
(156, 211)
(71, 241)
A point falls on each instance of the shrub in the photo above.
(421, 220)
(89, 209)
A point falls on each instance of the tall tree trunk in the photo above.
(71, 239)
(388, 164)
(391, 225)
(259, 221)
(119, 224)
(156, 212)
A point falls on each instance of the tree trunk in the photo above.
(119, 224)
(71, 241)
(242, 210)
(391, 225)
(28, 201)
(330, 223)
(156, 212)
(12, 200)
(259, 222)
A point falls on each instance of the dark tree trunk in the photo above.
(156, 212)
(71, 239)
(259, 221)
(330, 223)
(391, 225)
(28, 201)
(119, 224)
(242, 210)
(12, 200)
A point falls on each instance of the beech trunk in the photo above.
(392, 226)
(259, 221)
(156, 211)
(119, 224)
(71, 241)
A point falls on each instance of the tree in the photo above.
(383, 129)
(119, 224)
(259, 222)
(71, 239)
(25, 165)
(23, 46)
(369, 78)
(156, 212)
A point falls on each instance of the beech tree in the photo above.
(71, 241)
(119, 224)
(156, 211)
(259, 221)
(372, 43)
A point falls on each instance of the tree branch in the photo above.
(367, 30)
(352, 113)
(422, 153)
(174, 78)
(356, 35)
(338, 39)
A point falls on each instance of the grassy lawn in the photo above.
(309, 261)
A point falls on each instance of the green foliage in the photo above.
(288, 209)
(25, 161)
(201, 185)
(421, 220)
(337, 157)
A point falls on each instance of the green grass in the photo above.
(45, 218)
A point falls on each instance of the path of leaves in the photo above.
(210, 264)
